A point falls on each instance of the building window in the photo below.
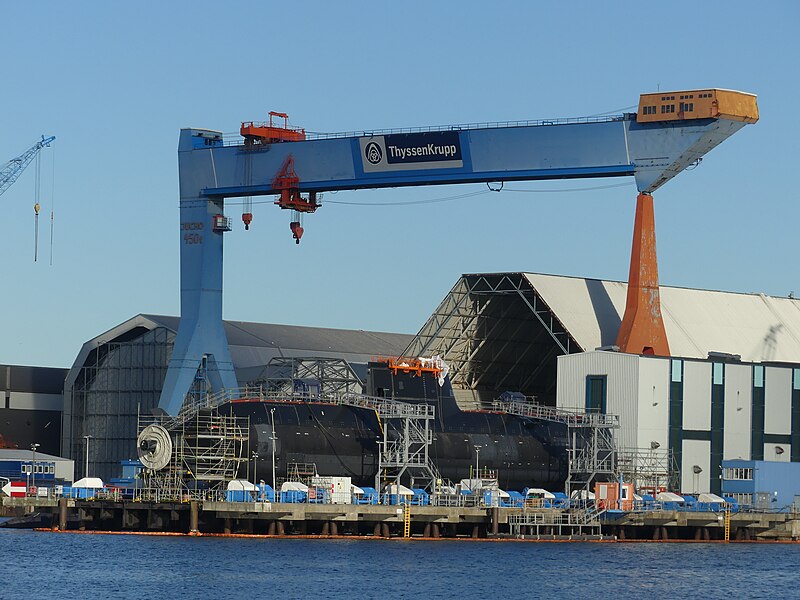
(758, 376)
(596, 393)
(796, 379)
(677, 371)
(718, 374)
(737, 474)
(743, 499)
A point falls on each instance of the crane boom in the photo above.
(667, 135)
(14, 168)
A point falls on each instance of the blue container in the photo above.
(420, 497)
(317, 495)
(265, 493)
(239, 496)
(370, 496)
(294, 497)
(733, 505)
(648, 502)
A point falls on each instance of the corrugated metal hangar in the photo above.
(119, 374)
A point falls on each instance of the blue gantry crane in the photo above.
(669, 132)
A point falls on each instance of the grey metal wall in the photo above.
(622, 390)
(31, 402)
(116, 381)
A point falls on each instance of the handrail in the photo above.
(385, 407)
(560, 415)
(236, 140)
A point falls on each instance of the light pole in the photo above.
(33, 480)
(696, 469)
(86, 437)
(255, 467)
(477, 464)
(274, 441)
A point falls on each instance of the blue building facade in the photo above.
(765, 485)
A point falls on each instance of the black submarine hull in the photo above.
(343, 440)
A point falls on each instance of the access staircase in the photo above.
(592, 451)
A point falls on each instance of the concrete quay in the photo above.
(387, 521)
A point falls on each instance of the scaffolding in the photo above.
(404, 450)
(207, 452)
(549, 522)
(592, 453)
(651, 470)
(406, 427)
(289, 376)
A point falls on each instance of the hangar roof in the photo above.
(253, 345)
(503, 331)
(758, 327)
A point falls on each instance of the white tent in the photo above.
(711, 498)
(669, 497)
(400, 490)
(582, 495)
(539, 493)
(294, 486)
(94, 483)
(241, 485)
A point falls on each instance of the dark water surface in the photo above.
(41, 565)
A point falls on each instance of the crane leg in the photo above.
(642, 329)
(201, 332)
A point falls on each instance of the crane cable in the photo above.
(482, 192)
(460, 196)
(52, 202)
(36, 206)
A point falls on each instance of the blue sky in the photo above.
(116, 81)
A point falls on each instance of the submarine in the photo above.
(313, 435)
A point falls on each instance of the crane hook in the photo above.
(297, 231)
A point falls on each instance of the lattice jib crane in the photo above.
(14, 168)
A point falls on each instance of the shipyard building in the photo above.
(730, 390)
(119, 374)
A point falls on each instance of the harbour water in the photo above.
(39, 564)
